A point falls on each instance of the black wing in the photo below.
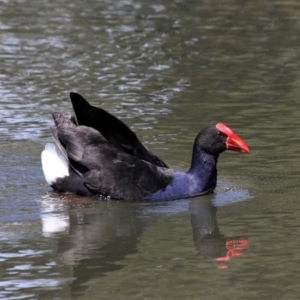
(113, 129)
(105, 169)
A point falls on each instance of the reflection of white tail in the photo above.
(55, 217)
(54, 164)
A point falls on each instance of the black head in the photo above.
(215, 139)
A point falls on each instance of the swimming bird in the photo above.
(98, 155)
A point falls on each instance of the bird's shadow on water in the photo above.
(95, 237)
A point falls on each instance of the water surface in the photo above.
(167, 69)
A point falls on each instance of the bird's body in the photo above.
(118, 166)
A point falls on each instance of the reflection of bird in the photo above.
(210, 243)
(101, 156)
(98, 238)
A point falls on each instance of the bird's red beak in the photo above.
(233, 142)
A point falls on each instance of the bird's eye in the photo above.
(219, 133)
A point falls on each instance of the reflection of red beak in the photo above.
(233, 248)
(233, 142)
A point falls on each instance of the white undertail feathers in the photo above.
(54, 164)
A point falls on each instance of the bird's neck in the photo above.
(204, 169)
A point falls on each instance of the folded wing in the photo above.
(106, 169)
(113, 129)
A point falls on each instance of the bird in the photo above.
(96, 154)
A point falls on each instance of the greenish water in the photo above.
(167, 69)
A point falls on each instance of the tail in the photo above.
(54, 164)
